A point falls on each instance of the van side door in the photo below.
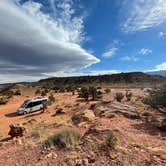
(37, 105)
(29, 107)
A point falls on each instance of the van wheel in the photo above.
(25, 113)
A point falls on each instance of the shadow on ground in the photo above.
(13, 114)
(149, 129)
(5, 139)
(34, 114)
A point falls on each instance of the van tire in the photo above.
(25, 113)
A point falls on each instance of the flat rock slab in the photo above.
(104, 108)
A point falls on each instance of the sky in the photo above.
(46, 38)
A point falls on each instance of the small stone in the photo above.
(85, 162)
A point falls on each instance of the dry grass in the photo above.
(65, 138)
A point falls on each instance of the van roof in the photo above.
(38, 99)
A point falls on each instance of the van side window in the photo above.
(37, 103)
(29, 105)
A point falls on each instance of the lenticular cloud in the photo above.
(32, 42)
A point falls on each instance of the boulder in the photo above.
(126, 110)
(159, 122)
(83, 116)
(106, 109)
(16, 130)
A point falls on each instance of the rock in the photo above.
(109, 115)
(107, 108)
(125, 110)
(161, 153)
(51, 155)
(58, 111)
(91, 157)
(85, 162)
(159, 122)
(83, 116)
(112, 155)
(16, 130)
(78, 162)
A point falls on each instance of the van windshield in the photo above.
(24, 104)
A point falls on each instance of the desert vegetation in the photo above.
(119, 96)
(65, 138)
(157, 97)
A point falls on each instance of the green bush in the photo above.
(3, 100)
(84, 93)
(8, 93)
(93, 93)
(107, 90)
(128, 95)
(51, 99)
(111, 140)
(119, 96)
(17, 92)
(157, 97)
(61, 89)
(65, 138)
(70, 89)
(38, 91)
(43, 93)
(90, 92)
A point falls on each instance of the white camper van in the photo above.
(32, 105)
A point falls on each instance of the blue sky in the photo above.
(45, 38)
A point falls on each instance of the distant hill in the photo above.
(160, 72)
(138, 78)
(9, 84)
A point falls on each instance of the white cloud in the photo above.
(129, 58)
(125, 58)
(159, 67)
(32, 42)
(144, 14)
(144, 51)
(110, 52)
(92, 72)
(162, 34)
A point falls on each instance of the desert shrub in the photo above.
(36, 134)
(128, 95)
(61, 89)
(3, 100)
(43, 93)
(70, 89)
(99, 87)
(99, 94)
(65, 138)
(8, 93)
(38, 91)
(119, 96)
(107, 90)
(93, 93)
(90, 92)
(17, 92)
(84, 93)
(46, 90)
(111, 140)
(51, 99)
(157, 97)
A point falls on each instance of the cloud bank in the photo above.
(32, 42)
